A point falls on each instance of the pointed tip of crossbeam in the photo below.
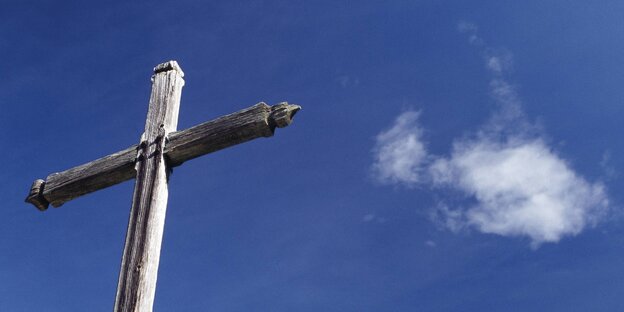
(283, 113)
(35, 196)
(167, 66)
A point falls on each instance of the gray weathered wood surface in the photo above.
(254, 122)
(150, 161)
(139, 264)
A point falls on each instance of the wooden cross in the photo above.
(161, 148)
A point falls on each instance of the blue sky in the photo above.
(450, 155)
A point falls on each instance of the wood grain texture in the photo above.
(139, 265)
(64, 186)
(254, 122)
(150, 162)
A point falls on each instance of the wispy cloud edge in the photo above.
(516, 184)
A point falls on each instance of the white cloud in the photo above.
(399, 152)
(446, 218)
(498, 61)
(368, 217)
(521, 188)
(348, 81)
(519, 185)
(512, 182)
(371, 217)
(471, 30)
(467, 27)
(503, 93)
(606, 164)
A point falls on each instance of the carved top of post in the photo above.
(167, 66)
(167, 81)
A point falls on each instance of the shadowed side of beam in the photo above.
(254, 122)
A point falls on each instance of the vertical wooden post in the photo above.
(139, 264)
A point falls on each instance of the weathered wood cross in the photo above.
(161, 148)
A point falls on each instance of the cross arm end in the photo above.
(35, 196)
(282, 114)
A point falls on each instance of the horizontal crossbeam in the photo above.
(254, 122)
